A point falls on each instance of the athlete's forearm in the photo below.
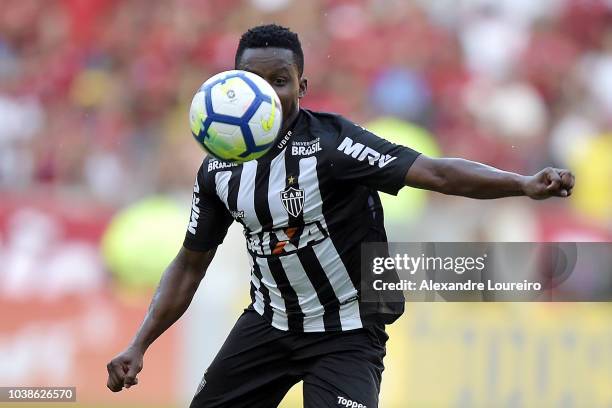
(173, 295)
(465, 178)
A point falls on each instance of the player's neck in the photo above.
(289, 123)
(283, 136)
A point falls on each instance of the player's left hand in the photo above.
(549, 182)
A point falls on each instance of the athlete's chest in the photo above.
(283, 192)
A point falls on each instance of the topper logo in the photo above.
(345, 402)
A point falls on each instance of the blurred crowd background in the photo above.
(94, 93)
(97, 163)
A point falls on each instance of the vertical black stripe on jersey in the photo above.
(232, 203)
(351, 260)
(325, 292)
(292, 169)
(232, 191)
(308, 258)
(295, 317)
(212, 181)
(260, 195)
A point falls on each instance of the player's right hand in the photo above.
(122, 369)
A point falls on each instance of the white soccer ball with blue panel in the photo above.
(236, 116)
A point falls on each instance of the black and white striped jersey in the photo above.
(306, 207)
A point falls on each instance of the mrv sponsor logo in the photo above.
(195, 210)
(361, 152)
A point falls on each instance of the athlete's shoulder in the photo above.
(212, 165)
(324, 119)
(206, 173)
(330, 127)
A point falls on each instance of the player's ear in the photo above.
(303, 87)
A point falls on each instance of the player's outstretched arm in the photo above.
(476, 180)
(172, 297)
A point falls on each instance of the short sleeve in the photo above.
(362, 157)
(209, 219)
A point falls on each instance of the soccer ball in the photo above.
(236, 116)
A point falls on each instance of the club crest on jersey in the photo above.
(293, 200)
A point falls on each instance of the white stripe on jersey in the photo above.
(341, 283)
(307, 295)
(246, 202)
(279, 315)
(222, 179)
(326, 252)
(278, 175)
(259, 303)
(275, 180)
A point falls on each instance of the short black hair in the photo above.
(272, 35)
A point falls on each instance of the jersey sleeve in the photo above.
(362, 157)
(209, 219)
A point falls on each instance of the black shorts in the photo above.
(258, 364)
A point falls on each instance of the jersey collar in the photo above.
(282, 142)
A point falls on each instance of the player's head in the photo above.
(275, 53)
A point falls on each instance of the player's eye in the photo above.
(280, 81)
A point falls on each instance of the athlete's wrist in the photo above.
(522, 183)
(138, 346)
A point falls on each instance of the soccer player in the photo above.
(306, 207)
